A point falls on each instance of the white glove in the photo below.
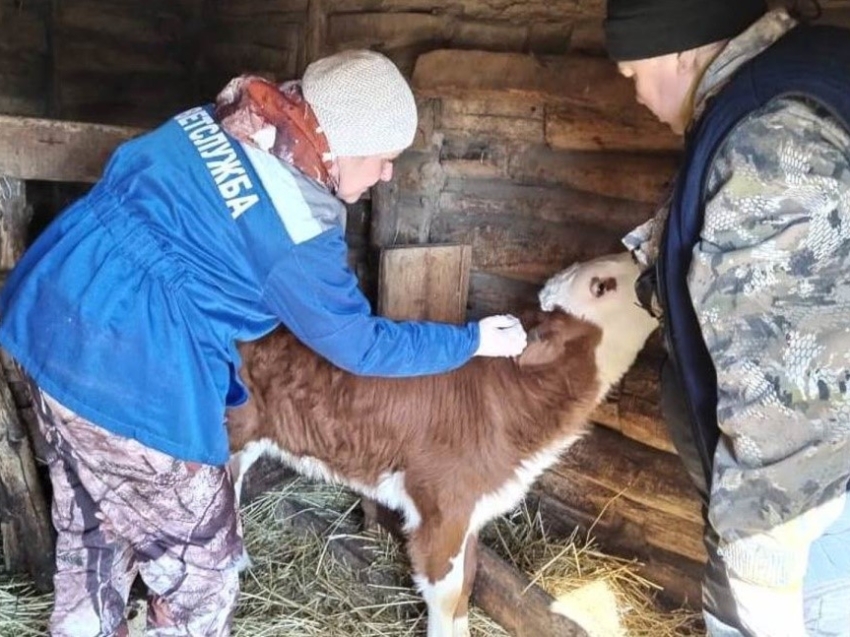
(501, 335)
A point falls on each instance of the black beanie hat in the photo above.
(640, 29)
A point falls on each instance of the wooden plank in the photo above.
(679, 577)
(27, 531)
(424, 282)
(384, 30)
(468, 197)
(316, 33)
(622, 520)
(649, 477)
(531, 251)
(402, 209)
(642, 177)
(526, 11)
(588, 37)
(523, 610)
(26, 528)
(257, 8)
(491, 293)
(51, 150)
(581, 127)
(547, 38)
(571, 79)
(23, 61)
(15, 216)
(486, 118)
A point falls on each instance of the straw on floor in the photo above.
(297, 587)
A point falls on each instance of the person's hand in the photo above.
(501, 335)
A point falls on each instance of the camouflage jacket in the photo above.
(770, 283)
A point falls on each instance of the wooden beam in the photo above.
(50, 150)
(15, 216)
(26, 528)
(424, 282)
(315, 32)
(482, 10)
(640, 177)
(521, 78)
(521, 608)
(651, 478)
(633, 129)
(27, 531)
(680, 577)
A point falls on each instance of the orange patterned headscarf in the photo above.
(277, 119)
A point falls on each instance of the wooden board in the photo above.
(27, 532)
(424, 282)
(679, 577)
(652, 478)
(522, 609)
(15, 216)
(640, 177)
(23, 60)
(570, 79)
(580, 127)
(53, 150)
(528, 10)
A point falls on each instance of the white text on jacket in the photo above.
(220, 159)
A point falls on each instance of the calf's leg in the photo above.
(437, 553)
(470, 566)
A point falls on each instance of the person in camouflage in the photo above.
(769, 282)
(214, 228)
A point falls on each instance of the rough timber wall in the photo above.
(267, 37)
(530, 149)
(24, 80)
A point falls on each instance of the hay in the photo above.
(23, 611)
(573, 570)
(297, 587)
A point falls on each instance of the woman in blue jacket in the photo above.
(214, 228)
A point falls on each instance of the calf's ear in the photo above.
(539, 353)
(550, 340)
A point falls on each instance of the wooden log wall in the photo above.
(530, 149)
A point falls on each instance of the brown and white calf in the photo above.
(450, 451)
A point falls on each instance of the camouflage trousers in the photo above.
(122, 509)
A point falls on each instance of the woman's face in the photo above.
(358, 174)
(663, 84)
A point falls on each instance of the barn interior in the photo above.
(531, 154)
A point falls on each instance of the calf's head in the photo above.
(602, 291)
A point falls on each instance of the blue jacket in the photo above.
(128, 307)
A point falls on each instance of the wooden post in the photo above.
(523, 610)
(317, 26)
(27, 534)
(425, 283)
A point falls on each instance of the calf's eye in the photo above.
(599, 286)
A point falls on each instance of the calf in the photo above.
(449, 451)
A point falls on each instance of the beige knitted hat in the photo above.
(363, 103)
